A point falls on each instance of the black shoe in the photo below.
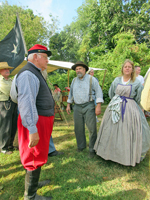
(7, 152)
(37, 197)
(80, 150)
(13, 148)
(55, 153)
(92, 154)
(43, 183)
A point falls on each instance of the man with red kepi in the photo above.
(35, 121)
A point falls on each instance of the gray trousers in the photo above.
(8, 123)
(85, 114)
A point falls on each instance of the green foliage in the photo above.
(126, 48)
(99, 21)
(55, 46)
(64, 45)
(35, 28)
(61, 79)
(104, 34)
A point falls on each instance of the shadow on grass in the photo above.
(138, 175)
(86, 174)
(11, 167)
(70, 180)
(63, 138)
(135, 194)
(12, 177)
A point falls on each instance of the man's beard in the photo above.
(79, 75)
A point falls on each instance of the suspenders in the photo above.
(90, 89)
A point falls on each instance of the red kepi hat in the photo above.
(37, 48)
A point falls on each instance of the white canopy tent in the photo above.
(52, 66)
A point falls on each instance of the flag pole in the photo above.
(26, 52)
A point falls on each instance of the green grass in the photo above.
(74, 176)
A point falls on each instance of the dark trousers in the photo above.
(85, 114)
(8, 123)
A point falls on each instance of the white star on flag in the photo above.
(15, 49)
(12, 47)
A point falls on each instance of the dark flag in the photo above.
(12, 47)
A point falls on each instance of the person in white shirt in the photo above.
(138, 76)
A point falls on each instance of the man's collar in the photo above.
(2, 78)
(35, 66)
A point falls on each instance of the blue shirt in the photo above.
(80, 89)
(28, 86)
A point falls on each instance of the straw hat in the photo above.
(4, 65)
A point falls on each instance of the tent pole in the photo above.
(68, 77)
(104, 78)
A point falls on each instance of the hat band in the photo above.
(39, 51)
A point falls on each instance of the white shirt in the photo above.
(141, 79)
(79, 90)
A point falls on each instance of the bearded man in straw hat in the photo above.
(8, 114)
(35, 121)
(84, 89)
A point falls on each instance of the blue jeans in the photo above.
(51, 145)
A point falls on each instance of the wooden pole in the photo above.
(26, 52)
(104, 78)
(58, 103)
(68, 77)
